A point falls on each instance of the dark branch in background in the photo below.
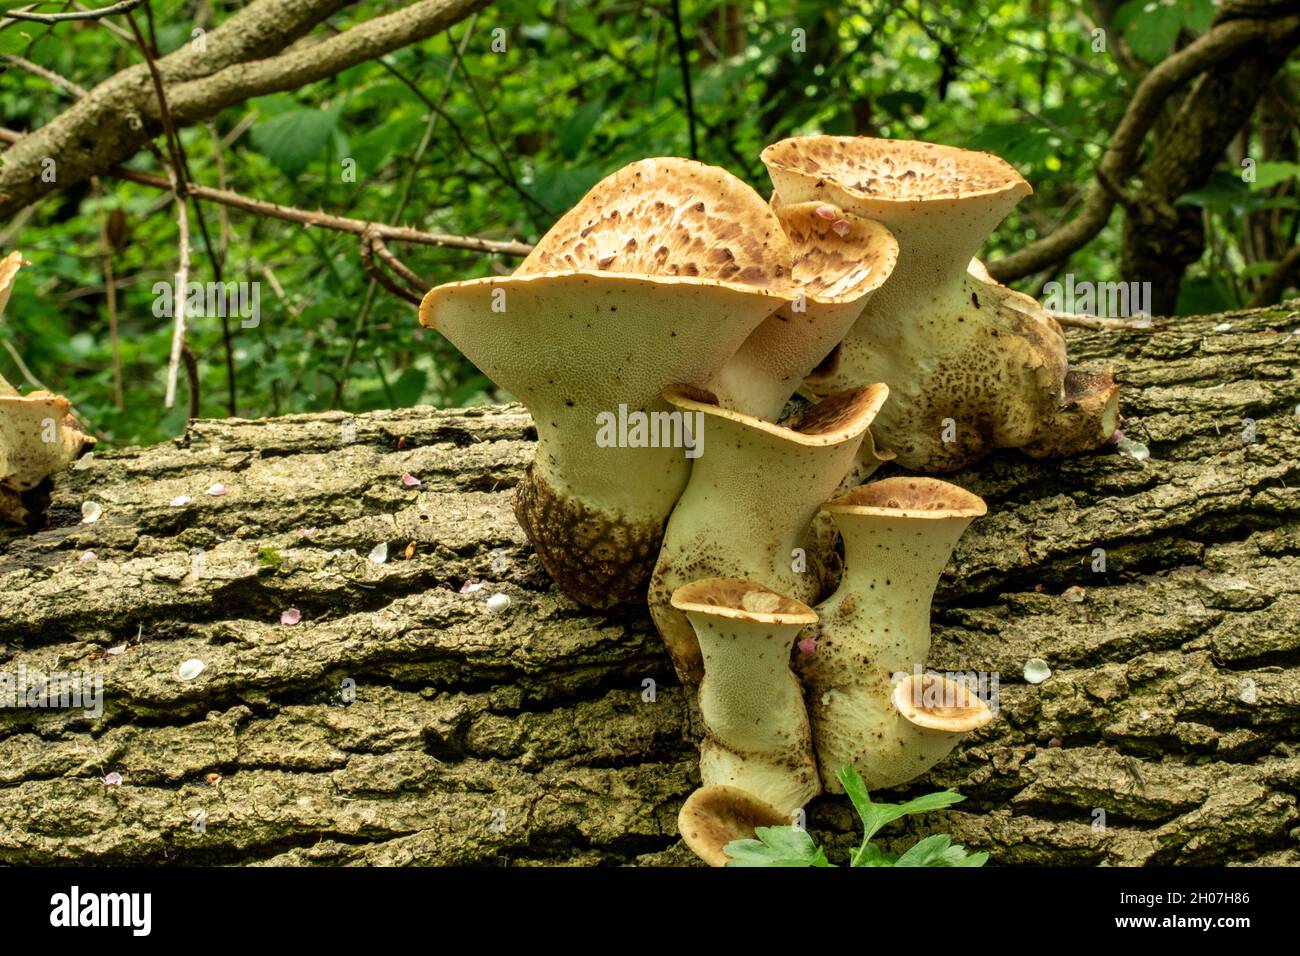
(253, 52)
(1224, 41)
(372, 245)
(686, 76)
(125, 6)
(1278, 280)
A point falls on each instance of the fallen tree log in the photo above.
(409, 717)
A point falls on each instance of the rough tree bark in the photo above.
(522, 736)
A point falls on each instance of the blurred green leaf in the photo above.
(294, 139)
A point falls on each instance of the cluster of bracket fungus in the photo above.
(39, 435)
(675, 302)
(971, 365)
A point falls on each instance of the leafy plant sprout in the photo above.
(793, 846)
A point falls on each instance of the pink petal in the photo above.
(113, 779)
(808, 646)
(305, 532)
(842, 227)
(217, 490)
(469, 587)
(410, 480)
(290, 617)
(828, 212)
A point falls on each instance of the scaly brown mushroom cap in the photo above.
(669, 216)
(840, 260)
(714, 816)
(890, 170)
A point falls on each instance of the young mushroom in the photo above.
(655, 278)
(869, 699)
(714, 816)
(756, 729)
(840, 260)
(971, 365)
(750, 502)
(39, 435)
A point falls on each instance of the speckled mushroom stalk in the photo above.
(971, 365)
(655, 278)
(898, 534)
(752, 495)
(756, 729)
(840, 260)
(39, 435)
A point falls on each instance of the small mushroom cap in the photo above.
(838, 257)
(933, 702)
(891, 171)
(834, 419)
(741, 600)
(9, 267)
(714, 816)
(903, 497)
(669, 216)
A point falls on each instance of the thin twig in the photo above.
(176, 174)
(395, 264)
(124, 6)
(23, 370)
(62, 82)
(686, 75)
(110, 295)
(366, 250)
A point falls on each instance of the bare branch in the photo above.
(124, 6)
(305, 217)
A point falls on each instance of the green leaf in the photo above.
(578, 126)
(292, 140)
(876, 815)
(408, 389)
(562, 188)
(938, 850)
(776, 846)
(1270, 174)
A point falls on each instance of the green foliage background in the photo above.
(581, 89)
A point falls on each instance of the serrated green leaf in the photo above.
(294, 139)
(776, 846)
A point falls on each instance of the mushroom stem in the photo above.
(756, 728)
(971, 365)
(752, 495)
(870, 703)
